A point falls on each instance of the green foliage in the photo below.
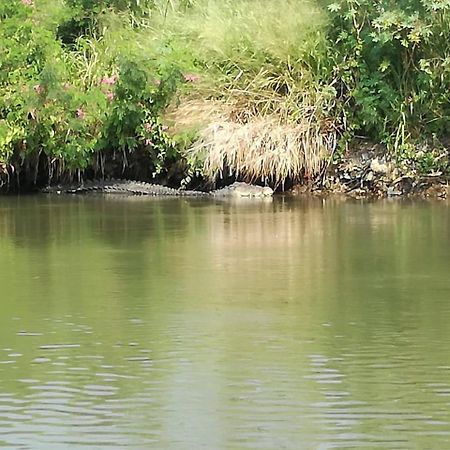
(132, 121)
(66, 105)
(85, 17)
(392, 61)
(425, 160)
(82, 78)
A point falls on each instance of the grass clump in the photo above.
(263, 62)
(263, 149)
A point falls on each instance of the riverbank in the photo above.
(370, 172)
(193, 91)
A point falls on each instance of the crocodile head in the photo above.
(267, 191)
(248, 190)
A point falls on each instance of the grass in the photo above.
(257, 65)
(263, 149)
(253, 94)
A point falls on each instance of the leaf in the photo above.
(334, 7)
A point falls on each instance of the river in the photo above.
(197, 324)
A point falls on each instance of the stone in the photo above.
(378, 167)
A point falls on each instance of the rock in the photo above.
(370, 174)
(392, 192)
(378, 167)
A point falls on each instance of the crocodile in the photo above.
(235, 190)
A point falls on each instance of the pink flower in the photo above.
(38, 89)
(66, 86)
(191, 78)
(110, 96)
(148, 127)
(27, 2)
(80, 113)
(109, 80)
(148, 142)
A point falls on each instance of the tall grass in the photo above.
(252, 66)
(263, 149)
(244, 47)
(263, 62)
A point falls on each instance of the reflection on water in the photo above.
(153, 323)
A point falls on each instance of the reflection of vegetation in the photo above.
(239, 309)
(169, 238)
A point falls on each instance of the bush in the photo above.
(392, 61)
(133, 122)
(63, 110)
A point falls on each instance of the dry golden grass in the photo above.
(264, 149)
(251, 135)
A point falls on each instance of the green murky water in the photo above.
(178, 324)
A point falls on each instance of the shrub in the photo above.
(63, 109)
(133, 119)
(392, 61)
